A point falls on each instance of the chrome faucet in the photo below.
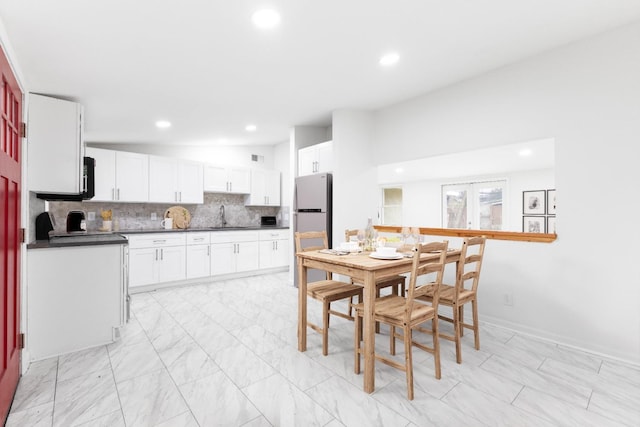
(222, 217)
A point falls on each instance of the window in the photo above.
(475, 205)
(392, 206)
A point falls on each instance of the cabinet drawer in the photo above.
(274, 234)
(234, 236)
(198, 238)
(156, 240)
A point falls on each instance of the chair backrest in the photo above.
(433, 269)
(312, 241)
(348, 233)
(468, 273)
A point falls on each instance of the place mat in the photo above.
(180, 215)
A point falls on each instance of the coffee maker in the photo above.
(76, 222)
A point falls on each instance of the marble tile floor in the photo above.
(225, 354)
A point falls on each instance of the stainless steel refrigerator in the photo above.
(312, 211)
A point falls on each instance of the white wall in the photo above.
(579, 290)
(353, 172)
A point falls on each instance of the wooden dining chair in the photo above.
(328, 290)
(407, 312)
(465, 290)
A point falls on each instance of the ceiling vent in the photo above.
(256, 158)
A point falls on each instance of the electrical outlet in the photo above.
(154, 216)
(507, 299)
(91, 216)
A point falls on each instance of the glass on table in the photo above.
(415, 233)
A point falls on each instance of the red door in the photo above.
(10, 189)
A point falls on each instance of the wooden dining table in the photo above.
(363, 269)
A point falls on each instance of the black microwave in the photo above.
(88, 185)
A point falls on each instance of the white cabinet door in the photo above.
(132, 177)
(172, 263)
(315, 159)
(220, 179)
(265, 188)
(143, 269)
(281, 254)
(274, 248)
(247, 256)
(240, 180)
(105, 174)
(215, 179)
(163, 178)
(120, 176)
(55, 147)
(222, 258)
(306, 161)
(325, 157)
(190, 182)
(272, 188)
(198, 261)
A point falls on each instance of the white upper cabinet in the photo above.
(221, 179)
(173, 180)
(55, 145)
(316, 158)
(120, 176)
(190, 182)
(265, 188)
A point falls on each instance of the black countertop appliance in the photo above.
(75, 221)
(44, 224)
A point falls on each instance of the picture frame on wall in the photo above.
(533, 202)
(533, 224)
(551, 225)
(551, 202)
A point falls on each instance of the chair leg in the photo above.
(436, 346)
(408, 357)
(325, 328)
(377, 323)
(457, 326)
(392, 340)
(461, 318)
(476, 327)
(357, 334)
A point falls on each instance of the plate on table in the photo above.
(376, 255)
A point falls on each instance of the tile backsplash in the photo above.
(137, 216)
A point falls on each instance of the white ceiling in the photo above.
(202, 65)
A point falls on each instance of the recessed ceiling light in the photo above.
(399, 171)
(525, 152)
(163, 124)
(389, 59)
(266, 18)
(250, 128)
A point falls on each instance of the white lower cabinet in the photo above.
(156, 258)
(234, 251)
(274, 248)
(77, 298)
(198, 255)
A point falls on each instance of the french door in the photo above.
(475, 205)
(10, 193)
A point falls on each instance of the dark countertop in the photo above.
(187, 230)
(61, 240)
(89, 239)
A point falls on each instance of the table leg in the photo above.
(302, 306)
(368, 334)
